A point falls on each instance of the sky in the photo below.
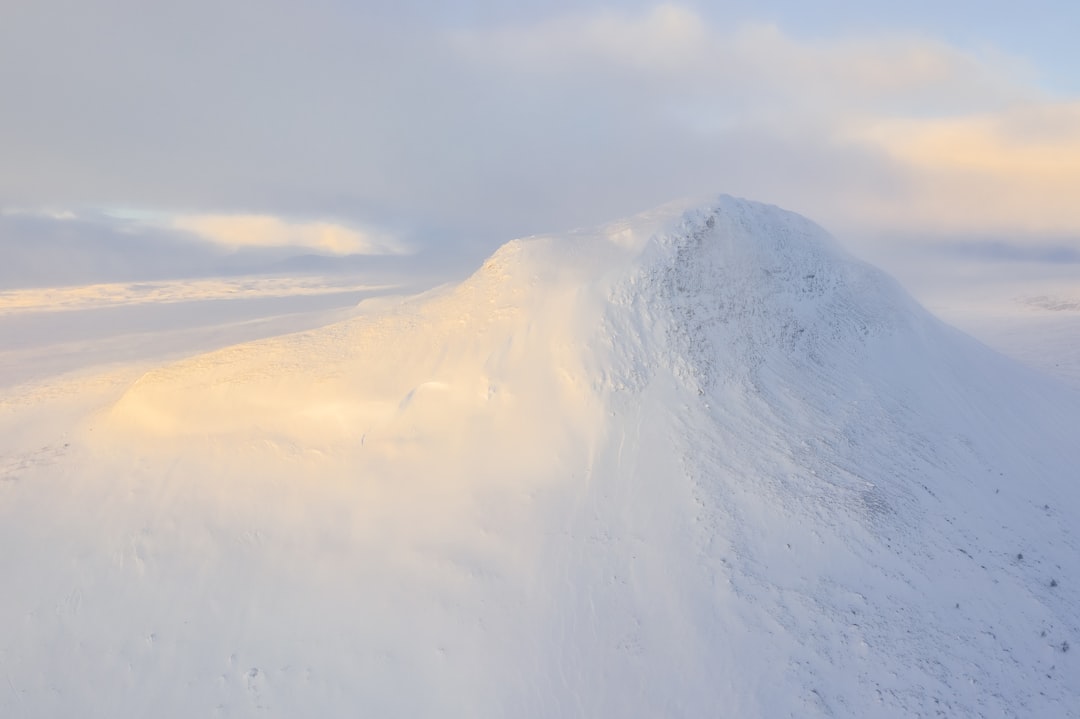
(136, 132)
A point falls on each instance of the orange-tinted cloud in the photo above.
(269, 231)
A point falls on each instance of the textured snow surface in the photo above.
(697, 463)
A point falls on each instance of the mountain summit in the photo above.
(697, 463)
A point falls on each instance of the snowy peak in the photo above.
(738, 284)
(712, 293)
(702, 454)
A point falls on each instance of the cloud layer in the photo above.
(268, 231)
(236, 119)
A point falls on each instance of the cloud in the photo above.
(1059, 253)
(865, 133)
(457, 135)
(267, 231)
(666, 39)
(48, 248)
(1014, 170)
(42, 213)
(43, 248)
(754, 67)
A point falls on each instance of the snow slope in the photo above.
(697, 463)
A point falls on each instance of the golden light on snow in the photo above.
(609, 467)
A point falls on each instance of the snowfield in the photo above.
(698, 463)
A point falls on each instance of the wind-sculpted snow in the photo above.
(696, 463)
(744, 284)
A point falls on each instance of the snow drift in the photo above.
(697, 463)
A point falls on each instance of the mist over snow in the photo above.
(700, 462)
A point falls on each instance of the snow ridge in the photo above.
(741, 281)
(855, 423)
(699, 461)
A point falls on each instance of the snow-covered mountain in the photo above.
(697, 463)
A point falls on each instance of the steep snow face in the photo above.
(743, 286)
(698, 462)
(863, 489)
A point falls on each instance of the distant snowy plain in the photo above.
(696, 463)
